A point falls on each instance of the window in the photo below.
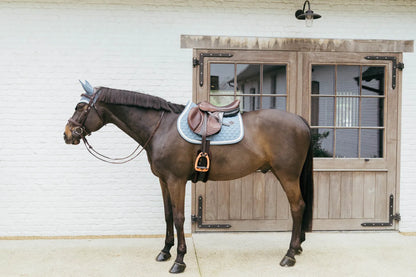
(258, 86)
(347, 111)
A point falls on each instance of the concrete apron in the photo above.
(215, 254)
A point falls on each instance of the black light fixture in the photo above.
(308, 15)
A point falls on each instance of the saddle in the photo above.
(206, 120)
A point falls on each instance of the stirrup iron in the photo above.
(202, 162)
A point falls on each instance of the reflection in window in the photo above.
(372, 110)
(346, 143)
(323, 142)
(248, 83)
(258, 86)
(373, 141)
(274, 79)
(347, 111)
(273, 103)
(322, 111)
(348, 80)
(221, 75)
(324, 76)
(373, 80)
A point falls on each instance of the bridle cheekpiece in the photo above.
(90, 98)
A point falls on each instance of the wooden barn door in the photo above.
(260, 79)
(352, 105)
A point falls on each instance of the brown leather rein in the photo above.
(82, 132)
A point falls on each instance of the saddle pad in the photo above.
(232, 130)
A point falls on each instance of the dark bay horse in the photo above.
(274, 140)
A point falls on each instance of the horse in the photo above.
(273, 140)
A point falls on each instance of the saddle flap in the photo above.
(196, 122)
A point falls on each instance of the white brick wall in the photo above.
(48, 188)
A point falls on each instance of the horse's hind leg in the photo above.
(297, 207)
(164, 255)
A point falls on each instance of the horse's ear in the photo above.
(91, 88)
(87, 87)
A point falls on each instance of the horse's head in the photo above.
(86, 118)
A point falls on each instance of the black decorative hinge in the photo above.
(200, 62)
(392, 217)
(396, 66)
(198, 219)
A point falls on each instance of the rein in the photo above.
(122, 160)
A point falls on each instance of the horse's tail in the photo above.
(306, 186)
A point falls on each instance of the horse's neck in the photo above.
(138, 123)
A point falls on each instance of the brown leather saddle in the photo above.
(206, 120)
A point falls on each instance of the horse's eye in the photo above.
(79, 106)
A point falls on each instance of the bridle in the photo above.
(81, 131)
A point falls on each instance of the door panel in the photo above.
(350, 196)
(256, 202)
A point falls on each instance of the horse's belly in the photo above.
(234, 166)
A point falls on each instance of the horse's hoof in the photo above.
(288, 261)
(178, 268)
(163, 256)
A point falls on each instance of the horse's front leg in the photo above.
(177, 195)
(164, 255)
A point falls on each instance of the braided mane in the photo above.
(132, 98)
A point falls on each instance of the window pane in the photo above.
(323, 79)
(250, 103)
(222, 78)
(346, 143)
(371, 143)
(273, 103)
(373, 80)
(274, 79)
(372, 112)
(347, 111)
(322, 111)
(323, 142)
(348, 80)
(220, 100)
(248, 78)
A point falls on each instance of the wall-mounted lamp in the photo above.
(308, 15)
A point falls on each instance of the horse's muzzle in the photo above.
(71, 140)
(70, 137)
